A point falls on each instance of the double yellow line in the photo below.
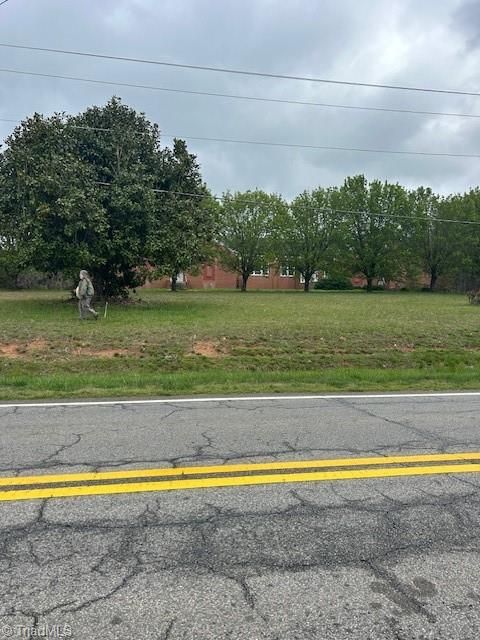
(140, 480)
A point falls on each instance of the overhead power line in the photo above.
(239, 97)
(288, 145)
(246, 201)
(322, 209)
(243, 72)
(325, 147)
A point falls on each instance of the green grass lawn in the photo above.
(223, 342)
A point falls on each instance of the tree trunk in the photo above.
(433, 279)
(244, 281)
(173, 286)
(369, 283)
(307, 279)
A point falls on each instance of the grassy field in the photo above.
(220, 342)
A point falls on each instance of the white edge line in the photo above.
(174, 400)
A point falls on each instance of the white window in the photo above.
(261, 272)
(181, 278)
(287, 271)
(313, 279)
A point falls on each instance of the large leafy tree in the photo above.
(78, 192)
(245, 231)
(184, 218)
(120, 148)
(9, 265)
(304, 232)
(49, 203)
(371, 227)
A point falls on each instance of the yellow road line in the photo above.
(230, 481)
(233, 468)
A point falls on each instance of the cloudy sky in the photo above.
(423, 43)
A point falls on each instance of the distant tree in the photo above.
(184, 219)
(435, 244)
(245, 231)
(371, 234)
(466, 261)
(304, 232)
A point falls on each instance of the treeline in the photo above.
(97, 191)
(376, 229)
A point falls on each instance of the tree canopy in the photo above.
(97, 191)
(245, 231)
(304, 232)
(79, 192)
(371, 223)
(184, 218)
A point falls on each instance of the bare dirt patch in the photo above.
(18, 349)
(208, 349)
(9, 351)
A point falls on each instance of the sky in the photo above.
(428, 44)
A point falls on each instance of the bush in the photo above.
(7, 280)
(32, 279)
(8, 270)
(334, 284)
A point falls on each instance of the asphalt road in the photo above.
(388, 557)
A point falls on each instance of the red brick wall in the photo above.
(215, 277)
(212, 276)
(272, 281)
(423, 280)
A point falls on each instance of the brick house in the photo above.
(214, 276)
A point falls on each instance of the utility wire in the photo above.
(326, 147)
(340, 211)
(278, 76)
(246, 201)
(317, 209)
(239, 97)
(4, 1)
(291, 145)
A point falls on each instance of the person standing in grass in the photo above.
(84, 293)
